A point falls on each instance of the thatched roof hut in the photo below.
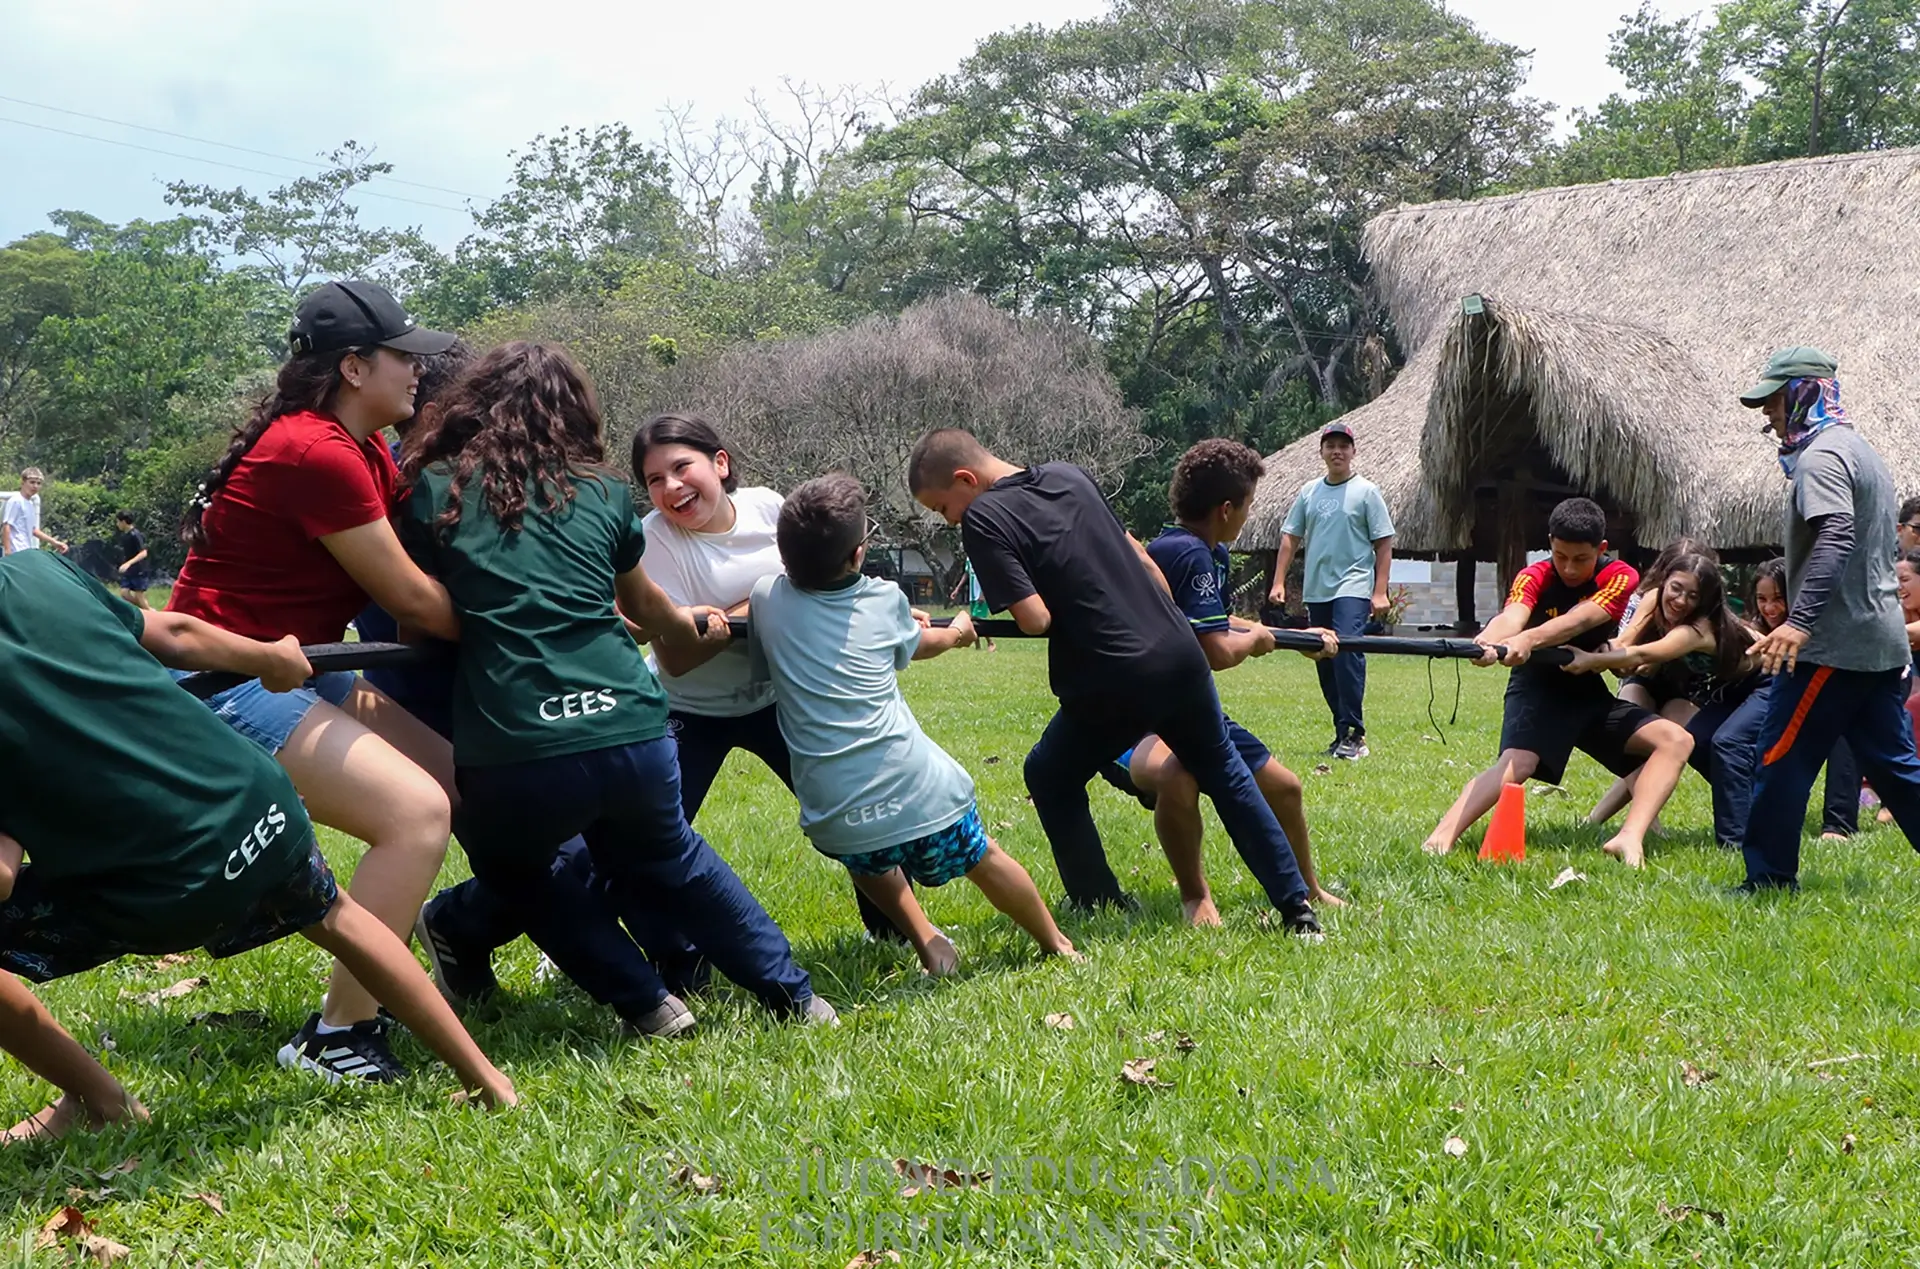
(1593, 338)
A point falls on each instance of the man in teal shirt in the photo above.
(1343, 521)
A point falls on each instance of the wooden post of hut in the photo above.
(1511, 503)
(1465, 571)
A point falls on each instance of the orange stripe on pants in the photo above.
(1800, 711)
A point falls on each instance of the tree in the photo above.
(1762, 80)
(38, 275)
(584, 205)
(303, 233)
(857, 398)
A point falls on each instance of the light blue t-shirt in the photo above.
(867, 777)
(1339, 525)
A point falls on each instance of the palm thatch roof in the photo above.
(1617, 324)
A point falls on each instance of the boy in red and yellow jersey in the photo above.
(1576, 599)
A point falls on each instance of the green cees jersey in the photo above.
(163, 822)
(546, 665)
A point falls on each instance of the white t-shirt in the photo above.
(22, 517)
(718, 569)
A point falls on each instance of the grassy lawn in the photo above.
(1641, 1070)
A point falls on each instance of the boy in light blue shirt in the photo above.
(875, 792)
(1342, 521)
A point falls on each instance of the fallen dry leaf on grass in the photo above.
(873, 1259)
(1567, 877)
(1681, 1211)
(1060, 1021)
(686, 1178)
(1434, 1062)
(1155, 1037)
(1186, 1043)
(68, 1222)
(214, 1201)
(1455, 1146)
(1140, 1071)
(923, 1177)
(1847, 1143)
(72, 1224)
(121, 1168)
(1693, 1076)
(1322, 769)
(171, 959)
(179, 989)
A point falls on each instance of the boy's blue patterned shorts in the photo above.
(933, 860)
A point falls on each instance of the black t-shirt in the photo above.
(1047, 531)
(132, 542)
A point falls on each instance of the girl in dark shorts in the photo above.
(1685, 637)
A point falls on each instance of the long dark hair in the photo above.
(1775, 571)
(1662, 567)
(523, 416)
(1730, 638)
(307, 382)
(691, 430)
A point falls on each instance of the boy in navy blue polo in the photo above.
(1121, 658)
(1212, 493)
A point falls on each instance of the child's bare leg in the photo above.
(1177, 825)
(1611, 801)
(90, 1097)
(377, 959)
(1481, 795)
(1666, 745)
(1287, 797)
(891, 894)
(1009, 888)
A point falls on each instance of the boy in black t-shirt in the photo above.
(1577, 599)
(134, 822)
(1121, 657)
(136, 577)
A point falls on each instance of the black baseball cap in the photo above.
(343, 315)
(1336, 428)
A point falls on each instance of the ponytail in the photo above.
(307, 381)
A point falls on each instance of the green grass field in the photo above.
(1641, 1069)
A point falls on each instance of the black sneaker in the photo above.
(360, 1052)
(1298, 918)
(463, 975)
(1353, 748)
(1751, 887)
(1333, 750)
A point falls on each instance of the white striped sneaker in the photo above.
(360, 1052)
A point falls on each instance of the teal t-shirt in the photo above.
(163, 823)
(867, 777)
(546, 666)
(1338, 525)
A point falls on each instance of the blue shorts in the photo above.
(47, 934)
(268, 719)
(1245, 743)
(933, 860)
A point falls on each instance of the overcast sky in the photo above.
(447, 92)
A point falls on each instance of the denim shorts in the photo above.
(268, 718)
(933, 860)
(47, 933)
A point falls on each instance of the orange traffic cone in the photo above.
(1506, 838)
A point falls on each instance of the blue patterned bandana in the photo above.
(1813, 406)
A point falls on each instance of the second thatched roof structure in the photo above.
(1593, 339)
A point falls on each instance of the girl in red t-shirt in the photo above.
(290, 535)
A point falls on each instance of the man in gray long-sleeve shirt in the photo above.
(1842, 650)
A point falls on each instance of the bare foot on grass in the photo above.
(1326, 899)
(69, 1114)
(1434, 846)
(1633, 856)
(1833, 837)
(1200, 913)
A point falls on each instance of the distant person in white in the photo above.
(20, 519)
